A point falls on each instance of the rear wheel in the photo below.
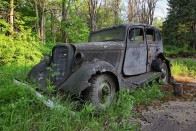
(165, 74)
(102, 91)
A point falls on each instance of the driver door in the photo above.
(136, 52)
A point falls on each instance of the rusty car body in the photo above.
(122, 56)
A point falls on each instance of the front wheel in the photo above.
(102, 90)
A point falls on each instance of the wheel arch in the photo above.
(167, 62)
(79, 80)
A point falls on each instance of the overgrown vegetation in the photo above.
(174, 51)
(20, 110)
(184, 67)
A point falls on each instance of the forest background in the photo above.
(29, 29)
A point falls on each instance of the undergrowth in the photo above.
(20, 110)
(184, 67)
(171, 50)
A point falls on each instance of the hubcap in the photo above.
(104, 93)
(164, 74)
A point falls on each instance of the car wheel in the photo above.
(102, 91)
(165, 74)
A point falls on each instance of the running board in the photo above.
(140, 80)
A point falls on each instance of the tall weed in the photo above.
(184, 67)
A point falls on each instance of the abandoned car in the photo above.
(122, 56)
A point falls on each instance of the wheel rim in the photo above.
(104, 93)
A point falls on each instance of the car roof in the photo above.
(127, 25)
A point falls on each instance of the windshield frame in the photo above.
(107, 29)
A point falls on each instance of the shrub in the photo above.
(20, 49)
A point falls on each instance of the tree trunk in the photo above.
(11, 16)
(37, 17)
(64, 18)
(92, 13)
(53, 26)
(151, 9)
(194, 32)
(116, 11)
(43, 22)
(132, 10)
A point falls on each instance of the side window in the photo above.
(150, 35)
(136, 34)
(158, 36)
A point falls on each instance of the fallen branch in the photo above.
(40, 97)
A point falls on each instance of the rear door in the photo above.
(136, 52)
(153, 45)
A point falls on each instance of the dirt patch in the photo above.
(170, 113)
(185, 79)
(189, 93)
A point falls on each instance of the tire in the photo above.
(156, 64)
(165, 74)
(102, 91)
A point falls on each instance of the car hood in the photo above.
(114, 45)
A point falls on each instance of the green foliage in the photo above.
(147, 94)
(4, 26)
(158, 22)
(171, 50)
(179, 29)
(77, 30)
(184, 67)
(46, 49)
(22, 49)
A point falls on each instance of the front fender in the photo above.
(79, 80)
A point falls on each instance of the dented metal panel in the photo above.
(111, 52)
(79, 80)
(154, 48)
(136, 54)
(110, 45)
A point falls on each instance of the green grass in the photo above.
(20, 110)
(184, 67)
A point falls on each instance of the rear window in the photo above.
(136, 34)
(150, 35)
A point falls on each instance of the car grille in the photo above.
(59, 61)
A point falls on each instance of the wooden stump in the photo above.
(178, 89)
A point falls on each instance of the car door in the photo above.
(153, 45)
(136, 52)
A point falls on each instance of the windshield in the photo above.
(115, 34)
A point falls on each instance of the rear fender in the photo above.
(167, 62)
(79, 80)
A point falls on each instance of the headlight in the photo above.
(47, 60)
(79, 57)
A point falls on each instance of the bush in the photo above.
(184, 67)
(20, 49)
